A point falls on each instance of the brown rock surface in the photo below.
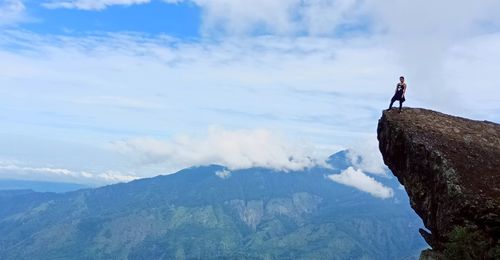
(450, 167)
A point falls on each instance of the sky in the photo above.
(106, 91)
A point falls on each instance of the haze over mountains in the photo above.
(39, 186)
(211, 212)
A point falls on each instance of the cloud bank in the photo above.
(235, 149)
(12, 170)
(359, 180)
(365, 155)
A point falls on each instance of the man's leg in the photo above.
(392, 102)
(400, 105)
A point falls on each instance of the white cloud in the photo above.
(365, 155)
(303, 86)
(11, 170)
(224, 174)
(363, 182)
(90, 4)
(324, 17)
(247, 16)
(421, 45)
(314, 17)
(235, 149)
(11, 12)
(327, 91)
(112, 176)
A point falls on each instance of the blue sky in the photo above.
(178, 20)
(101, 91)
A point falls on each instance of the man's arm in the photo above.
(404, 90)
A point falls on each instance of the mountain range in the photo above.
(212, 212)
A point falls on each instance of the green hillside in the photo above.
(195, 214)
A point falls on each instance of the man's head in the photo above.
(402, 79)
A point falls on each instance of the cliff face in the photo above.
(450, 167)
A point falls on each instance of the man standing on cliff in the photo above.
(400, 93)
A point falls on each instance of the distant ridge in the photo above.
(39, 186)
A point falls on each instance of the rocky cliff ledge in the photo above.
(450, 167)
